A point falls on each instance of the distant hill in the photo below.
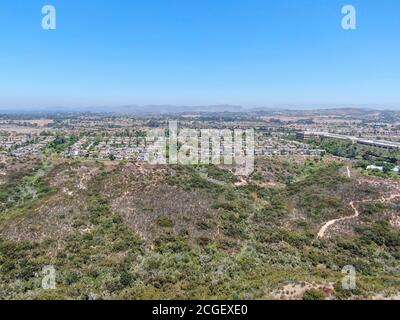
(175, 109)
(163, 109)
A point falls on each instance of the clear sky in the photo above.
(252, 53)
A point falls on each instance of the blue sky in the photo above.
(197, 52)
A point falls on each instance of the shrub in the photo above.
(165, 222)
(313, 294)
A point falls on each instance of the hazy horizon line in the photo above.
(193, 107)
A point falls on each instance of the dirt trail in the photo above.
(348, 172)
(322, 231)
(242, 182)
(326, 226)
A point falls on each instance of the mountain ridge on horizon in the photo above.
(165, 109)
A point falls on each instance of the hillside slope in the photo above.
(130, 231)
